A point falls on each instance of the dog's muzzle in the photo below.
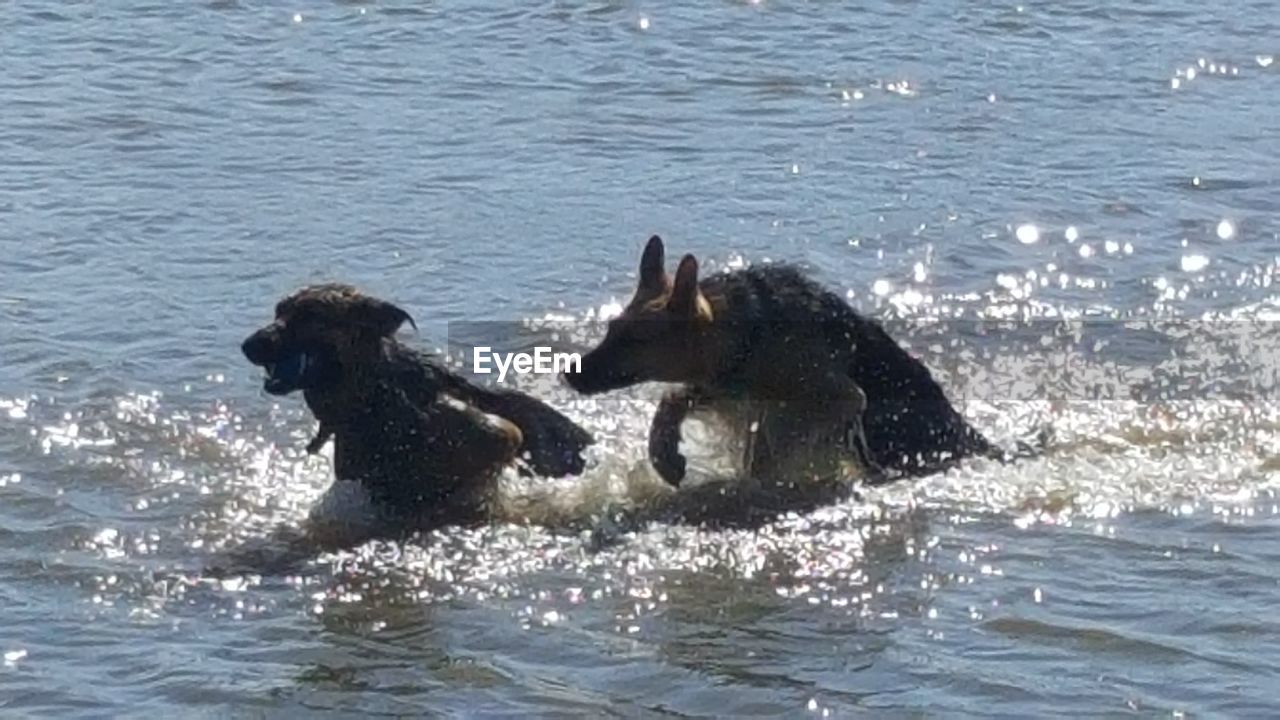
(286, 369)
(597, 378)
(287, 374)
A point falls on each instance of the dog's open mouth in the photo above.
(286, 374)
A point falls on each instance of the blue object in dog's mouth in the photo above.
(286, 375)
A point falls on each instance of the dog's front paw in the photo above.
(664, 452)
(664, 437)
(670, 466)
(318, 442)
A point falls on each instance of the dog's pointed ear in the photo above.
(384, 317)
(686, 298)
(653, 273)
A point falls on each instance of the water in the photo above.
(171, 169)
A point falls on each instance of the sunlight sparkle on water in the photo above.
(644, 23)
(609, 310)
(1028, 234)
(881, 287)
(901, 87)
(1226, 229)
(1194, 263)
(1072, 233)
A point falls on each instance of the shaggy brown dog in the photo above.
(425, 443)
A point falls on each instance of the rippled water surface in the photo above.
(1103, 176)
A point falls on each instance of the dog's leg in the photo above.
(478, 439)
(753, 452)
(456, 453)
(323, 433)
(664, 435)
(553, 444)
(851, 404)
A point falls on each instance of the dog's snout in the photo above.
(598, 373)
(260, 347)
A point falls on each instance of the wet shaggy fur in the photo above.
(814, 378)
(426, 444)
(910, 425)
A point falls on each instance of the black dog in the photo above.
(803, 366)
(427, 444)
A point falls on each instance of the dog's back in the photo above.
(787, 323)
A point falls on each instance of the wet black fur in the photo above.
(423, 440)
(910, 425)
(386, 430)
(553, 443)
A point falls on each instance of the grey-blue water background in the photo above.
(168, 170)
